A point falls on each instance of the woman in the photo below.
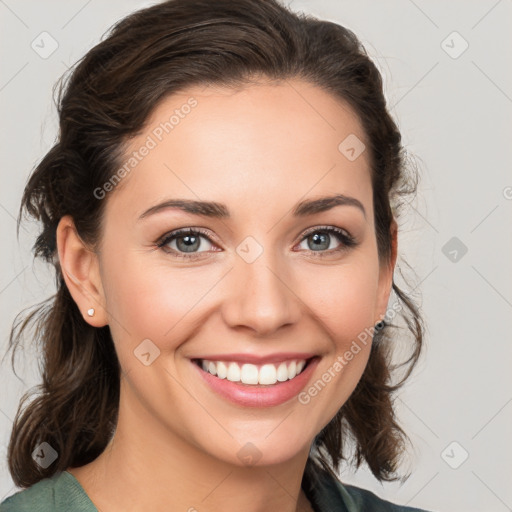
(220, 209)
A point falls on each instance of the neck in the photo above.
(146, 467)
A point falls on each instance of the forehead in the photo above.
(265, 143)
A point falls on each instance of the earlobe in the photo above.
(80, 270)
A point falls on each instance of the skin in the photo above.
(259, 150)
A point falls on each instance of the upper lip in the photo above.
(258, 359)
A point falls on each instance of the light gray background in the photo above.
(455, 117)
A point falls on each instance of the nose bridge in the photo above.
(260, 297)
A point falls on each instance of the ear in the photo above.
(386, 275)
(80, 269)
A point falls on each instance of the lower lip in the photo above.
(259, 396)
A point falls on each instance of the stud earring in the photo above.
(380, 325)
(90, 312)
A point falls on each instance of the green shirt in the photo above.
(63, 493)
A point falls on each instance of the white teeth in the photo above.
(249, 374)
(222, 370)
(282, 372)
(233, 372)
(292, 370)
(267, 374)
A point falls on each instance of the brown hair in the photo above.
(106, 99)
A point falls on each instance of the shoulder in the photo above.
(363, 499)
(38, 498)
(326, 492)
(61, 492)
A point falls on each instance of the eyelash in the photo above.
(347, 241)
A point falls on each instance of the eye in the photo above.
(319, 240)
(186, 242)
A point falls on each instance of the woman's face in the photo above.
(265, 282)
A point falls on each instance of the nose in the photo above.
(261, 296)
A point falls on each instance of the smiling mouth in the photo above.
(254, 375)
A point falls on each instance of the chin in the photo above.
(260, 451)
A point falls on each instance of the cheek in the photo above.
(153, 301)
(344, 300)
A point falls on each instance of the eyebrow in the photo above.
(221, 211)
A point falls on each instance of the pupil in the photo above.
(319, 239)
(190, 241)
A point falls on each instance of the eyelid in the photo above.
(314, 229)
(170, 236)
(346, 239)
(183, 231)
